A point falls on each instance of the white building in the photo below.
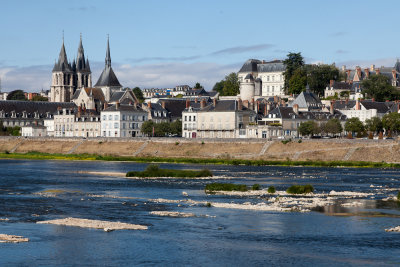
(121, 120)
(33, 130)
(261, 79)
(64, 123)
(49, 124)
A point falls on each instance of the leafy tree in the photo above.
(374, 125)
(345, 94)
(229, 86)
(354, 125)
(309, 128)
(16, 95)
(39, 98)
(319, 76)
(332, 126)
(198, 86)
(298, 81)
(139, 94)
(379, 88)
(293, 62)
(391, 122)
(176, 127)
(147, 128)
(162, 129)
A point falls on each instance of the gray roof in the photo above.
(342, 85)
(76, 94)
(250, 65)
(124, 107)
(307, 100)
(81, 64)
(108, 77)
(62, 63)
(249, 77)
(116, 96)
(272, 66)
(30, 107)
(223, 105)
(288, 113)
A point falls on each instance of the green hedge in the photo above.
(155, 171)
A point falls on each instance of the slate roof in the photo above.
(108, 78)
(288, 113)
(223, 106)
(76, 94)
(342, 85)
(250, 65)
(307, 100)
(31, 107)
(381, 107)
(273, 66)
(124, 107)
(116, 96)
(62, 63)
(81, 64)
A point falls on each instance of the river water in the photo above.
(237, 230)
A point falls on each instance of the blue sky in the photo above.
(166, 43)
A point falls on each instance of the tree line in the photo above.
(150, 128)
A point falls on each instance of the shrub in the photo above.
(256, 187)
(153, 170)
(300, 141)
(202, 142)
(7, 152)
(398, 196)
(208, 205)
(100, 142)
(300, 189)
(226, 187)
(286, 141)
(176, 143)
(271, 189)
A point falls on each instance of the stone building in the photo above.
(67, 77)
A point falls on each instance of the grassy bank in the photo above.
(46, 156)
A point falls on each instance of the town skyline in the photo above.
(166, 44)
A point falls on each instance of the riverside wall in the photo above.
(313, 149)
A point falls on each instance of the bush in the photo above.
(300, 189)
(300, 141)
(398, 196)
(256, 187)
(271, 189)
(153, 170)
(208, 205)
(226, 187)
(286, 141)
(202, 142)
(176, 143)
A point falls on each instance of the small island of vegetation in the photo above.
(230, 187)
(300, 189)
(155, 171)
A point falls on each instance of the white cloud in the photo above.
(161, 75)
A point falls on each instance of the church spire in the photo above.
(62, 64)
(80, 59)
(108, 57)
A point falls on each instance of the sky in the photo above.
(161, 44)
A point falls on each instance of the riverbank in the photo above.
(325, 153)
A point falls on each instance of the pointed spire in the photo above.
(87, 64)
(62, 64)
(80, 59)
(108, 57)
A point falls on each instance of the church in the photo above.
(72, 82)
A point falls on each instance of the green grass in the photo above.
(300, 189)
(58, 156)
(271, 189)
(155, 171)
(226, 187)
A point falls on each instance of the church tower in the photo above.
(62, 80)
(83, 76)
(108, 81)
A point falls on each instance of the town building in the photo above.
(359, 74)
(156, 112)
(261, 79)
(64, 121)
(33, 130)
(87, 123)
(122, 120)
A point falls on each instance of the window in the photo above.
(109, 117)
(116, 117)
(116, 125)
(190, 118)
(123, 117)
(185, 118)
(123, 125)
(194, 118)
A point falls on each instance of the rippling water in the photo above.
(331, 235)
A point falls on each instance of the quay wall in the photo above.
(313, 149)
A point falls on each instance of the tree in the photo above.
(374, 125)
(176, 128)
(354, 125)
(319, 76)
(138, 93)
(292, 62)
(39, 98)
(147, 128)
(198, 86)
(229, 86)
(332, 126)
(298, 81)
(345, 94)
(379, 88)
(16, 95)
(309, 128)
(391, 122)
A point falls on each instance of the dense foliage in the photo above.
(40, 98)
(16, 95)
(391, 122)
(309, 128)
(162, 129)
(379, 88)
(229, 86)
(293, 62)
(300, 189)
(354, 125)
(333, 126)
(374, 125)
(7, 131)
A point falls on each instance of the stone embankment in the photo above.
(314, 149)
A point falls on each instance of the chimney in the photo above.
(394, 74)
(348, 75)
(268, 108)
(344, 68)
(372, 67)
(195, 100)
(246, 103)
(275, 99)
(163, 104)
(332, 108)
(265, 110)
(240, 104)
(366, 72)
(187, 103)
(149, 105)
(203, 103)
(117, 105)
(358, 107)
(373, 99)
(331, 82)
(347, 102)
(214, 102)
(252, 104)
(105, 105)
(296, 109)
(258, 106)
(36, 123)
(378, 71)
(79, 111)
(358, 69)
(84, 109)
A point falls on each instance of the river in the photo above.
(336, 229)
